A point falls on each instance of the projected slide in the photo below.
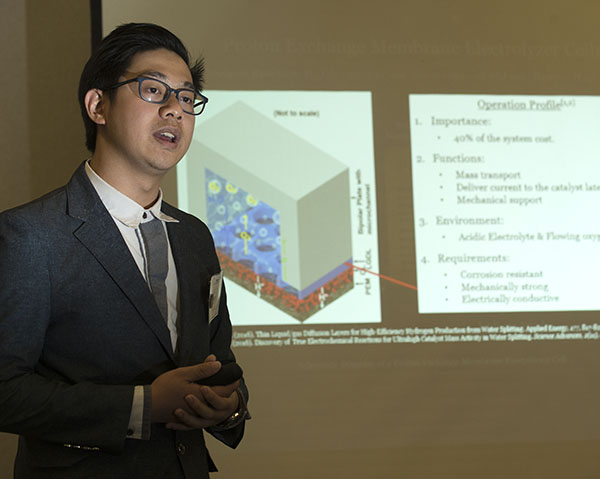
(505, 204)
(285, 182)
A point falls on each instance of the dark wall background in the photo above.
(43, 47)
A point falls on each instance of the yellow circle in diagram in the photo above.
(251, 200)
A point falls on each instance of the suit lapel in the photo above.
(99, 234)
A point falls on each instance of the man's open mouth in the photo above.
(168, 135)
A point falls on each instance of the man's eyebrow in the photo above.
(163, 77)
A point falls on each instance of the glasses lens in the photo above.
(186, 100)
(153, 91)
(199, 105)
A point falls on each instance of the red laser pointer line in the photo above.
(382, 276)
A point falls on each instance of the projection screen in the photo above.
(403, 196)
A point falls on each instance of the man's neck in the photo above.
(143, 189)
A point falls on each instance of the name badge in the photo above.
(214, 295)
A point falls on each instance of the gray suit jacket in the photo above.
(79, 328)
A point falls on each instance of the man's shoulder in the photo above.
(74, 200)
(46, 207)
(180, 215)
(36, 223)
(53, 202)
(191, 229)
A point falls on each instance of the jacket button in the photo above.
(181, 449)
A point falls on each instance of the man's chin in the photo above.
(166, 162)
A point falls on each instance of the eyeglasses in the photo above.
(152, 90)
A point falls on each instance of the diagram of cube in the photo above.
(278, 209)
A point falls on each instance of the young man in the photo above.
(111, 305)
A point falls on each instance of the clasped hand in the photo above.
(182, 404)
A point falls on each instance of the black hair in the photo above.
(114, 55)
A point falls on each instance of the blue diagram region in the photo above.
(247, 230)
(244, 228)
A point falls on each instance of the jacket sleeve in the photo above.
(221, 332)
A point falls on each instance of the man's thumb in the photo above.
(201, 371)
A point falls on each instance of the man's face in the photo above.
(142, 137)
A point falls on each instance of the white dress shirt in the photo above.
(127, 215)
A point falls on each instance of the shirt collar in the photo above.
(123, 208)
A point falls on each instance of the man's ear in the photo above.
(94, 102)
